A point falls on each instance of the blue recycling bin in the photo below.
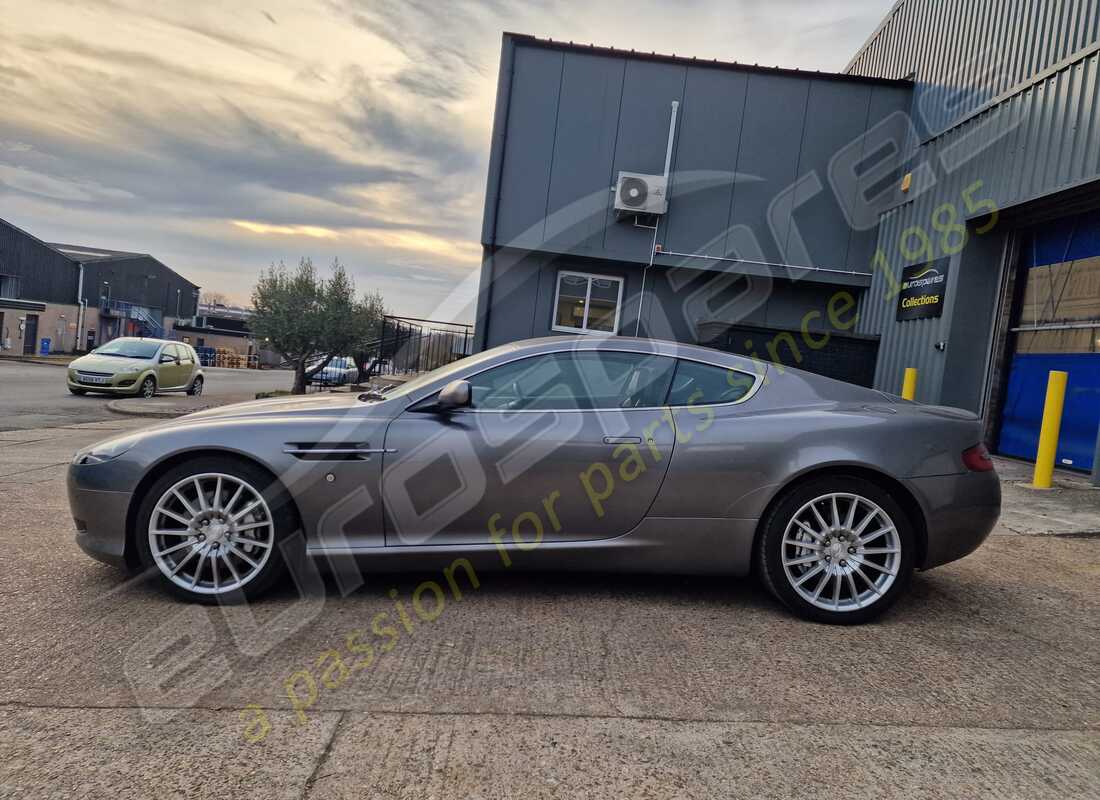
(44, 347)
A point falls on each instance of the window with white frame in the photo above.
(587, 303)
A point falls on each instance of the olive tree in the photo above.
(372, 309)
(308, 319)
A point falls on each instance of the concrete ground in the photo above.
(981, 683)
(35, 395)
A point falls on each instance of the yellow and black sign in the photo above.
(923, 288)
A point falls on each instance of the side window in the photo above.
(703, 384)
(586, 303)
(586, 380)
(185, 354)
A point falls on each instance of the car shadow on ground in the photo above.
(931, 594)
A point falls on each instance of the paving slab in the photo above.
(115, 753)
(1071, 505)
(419, 756)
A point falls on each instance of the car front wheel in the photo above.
(148, 387)
(837, 549)
(211, 529)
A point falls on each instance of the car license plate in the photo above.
(94, 379)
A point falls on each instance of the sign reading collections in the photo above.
(923, 288)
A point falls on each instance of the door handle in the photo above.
(622, 440)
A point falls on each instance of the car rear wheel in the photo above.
(148, 387)
(837, 549)
(212, 528)
(196, 386)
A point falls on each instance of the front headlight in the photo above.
(105, 451)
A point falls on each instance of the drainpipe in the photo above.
(83, 304)
(653, 246)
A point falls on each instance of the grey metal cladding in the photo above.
(836, 115)
(526, 165)
(576, 116)
(987, 46)
(586, 122)
(885, 102)
(1041, 137)
(707, 145)
(768, 159)
(648, 91)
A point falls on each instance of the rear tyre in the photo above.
(195, 389)
(148, 387)
(213, 530)
(837, 549)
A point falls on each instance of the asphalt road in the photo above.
(981, 683)
(35, 395)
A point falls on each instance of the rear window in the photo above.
(703, 384)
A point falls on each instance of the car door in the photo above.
(170, 370)
(187, 364)
(560, 446)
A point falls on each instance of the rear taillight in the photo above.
(977, 459)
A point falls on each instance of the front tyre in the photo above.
(148, 387)
(211, 530)
(837, 549)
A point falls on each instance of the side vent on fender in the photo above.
(333, 451)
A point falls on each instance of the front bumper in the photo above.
(100, 517)
(960, 512)
(118, 385)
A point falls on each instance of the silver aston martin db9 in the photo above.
(566, 453)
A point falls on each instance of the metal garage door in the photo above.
(845, 357)
(1058, 327)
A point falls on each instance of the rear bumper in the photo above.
(960, 512)
(100, 519)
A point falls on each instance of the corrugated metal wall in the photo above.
(1041, 138)
(983, 47)
(45, 275)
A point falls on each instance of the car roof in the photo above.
(146, 339)
(638, 345)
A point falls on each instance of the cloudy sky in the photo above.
(221, 137)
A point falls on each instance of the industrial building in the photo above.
(69, 298)
(935, 206)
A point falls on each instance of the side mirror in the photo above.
(455, 394)
(167, 359)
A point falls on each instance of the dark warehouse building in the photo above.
(65, 298)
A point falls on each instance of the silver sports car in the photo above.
(566, 453)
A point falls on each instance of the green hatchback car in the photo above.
(138, 367)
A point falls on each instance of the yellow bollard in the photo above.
(909, 385)
(1048, 433)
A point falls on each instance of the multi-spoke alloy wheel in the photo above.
(837, 550)
(841, 552)
(212, 530)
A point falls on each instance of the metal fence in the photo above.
(408, 345)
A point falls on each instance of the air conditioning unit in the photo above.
(636, 193)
